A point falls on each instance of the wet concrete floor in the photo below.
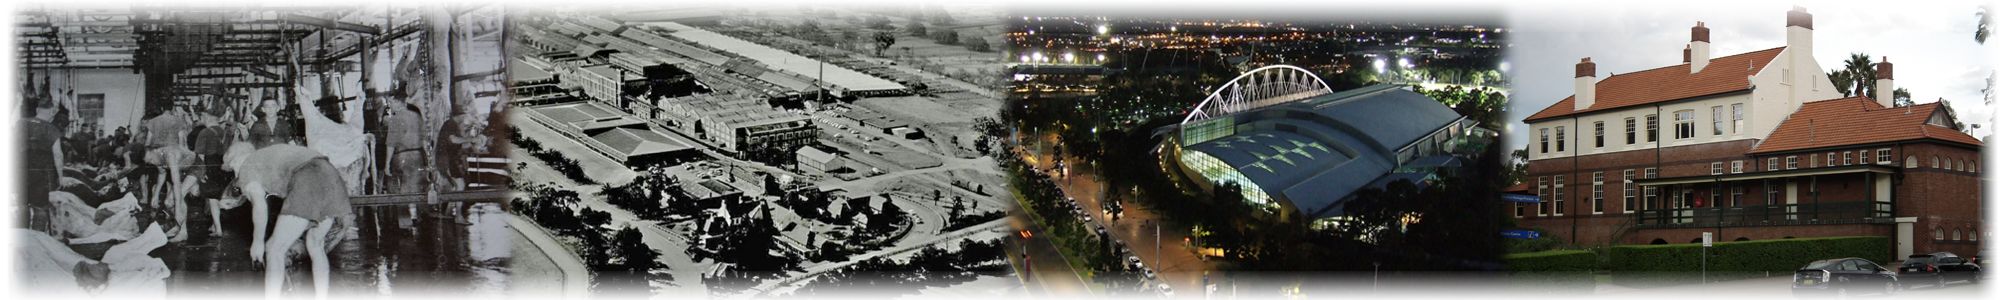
(399, 249)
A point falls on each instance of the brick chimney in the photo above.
(1586, 84)
(1698, 47)
(1885, 83)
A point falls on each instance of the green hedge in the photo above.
(1553, 272)
(1661, 265)
(1553, 261)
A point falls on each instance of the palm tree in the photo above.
(1843, 82)
(1862, 70)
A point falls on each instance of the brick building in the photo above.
(1751, 146)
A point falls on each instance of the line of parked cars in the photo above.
(1849, 276)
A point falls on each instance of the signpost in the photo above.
(1707, 241)
(1521, 234)
(1520, 198)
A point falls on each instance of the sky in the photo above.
(1931, 46)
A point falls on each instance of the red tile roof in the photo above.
(1722, 75)
(1857, 121)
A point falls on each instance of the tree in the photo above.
(916, 28)
(1517, 166)
(945, 36)
(975, 43)
(771, 186)
(1843, 81)
(594, 219)
(1861, 70)
(634, 271)
(1902, 96)
(957, 207)
(883, 40)
(631, 246)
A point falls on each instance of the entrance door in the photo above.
(1683, 204)
(1791, 200)
(1904, 244)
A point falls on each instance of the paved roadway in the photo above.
(1047, 272)
(1177, 265)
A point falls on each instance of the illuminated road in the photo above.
(1177, 265)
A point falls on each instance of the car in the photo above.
(1166, 290)
(1132, 260)
(1938, 269)
(1842, 277)
(1150, 275)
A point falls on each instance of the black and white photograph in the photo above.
(763, 151)
(185, 150)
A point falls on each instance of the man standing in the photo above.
(167, 149)
(406, 146)
(41, 160)
(210, 143)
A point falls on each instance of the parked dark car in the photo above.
(1938, 269)
(1843, 276)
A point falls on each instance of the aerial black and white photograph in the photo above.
(187, 151)
(762, 151)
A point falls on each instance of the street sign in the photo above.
(1520, 198)
(1707, 241)
(1521, 234)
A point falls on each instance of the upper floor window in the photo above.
(1715, 168)
(1863, 156)
(1910, 162)
(1882, 156)
(1684, 124)
(1736, 166)
(1561, 139)
(1631, 130)
(1829, 159)
(1545, 140)
(1791, 162)
(1735, 118)
(1934, 162)
(1715, 119)
(1770, 164)
(1847, 158)
(1652, 128)
(1598, 129)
